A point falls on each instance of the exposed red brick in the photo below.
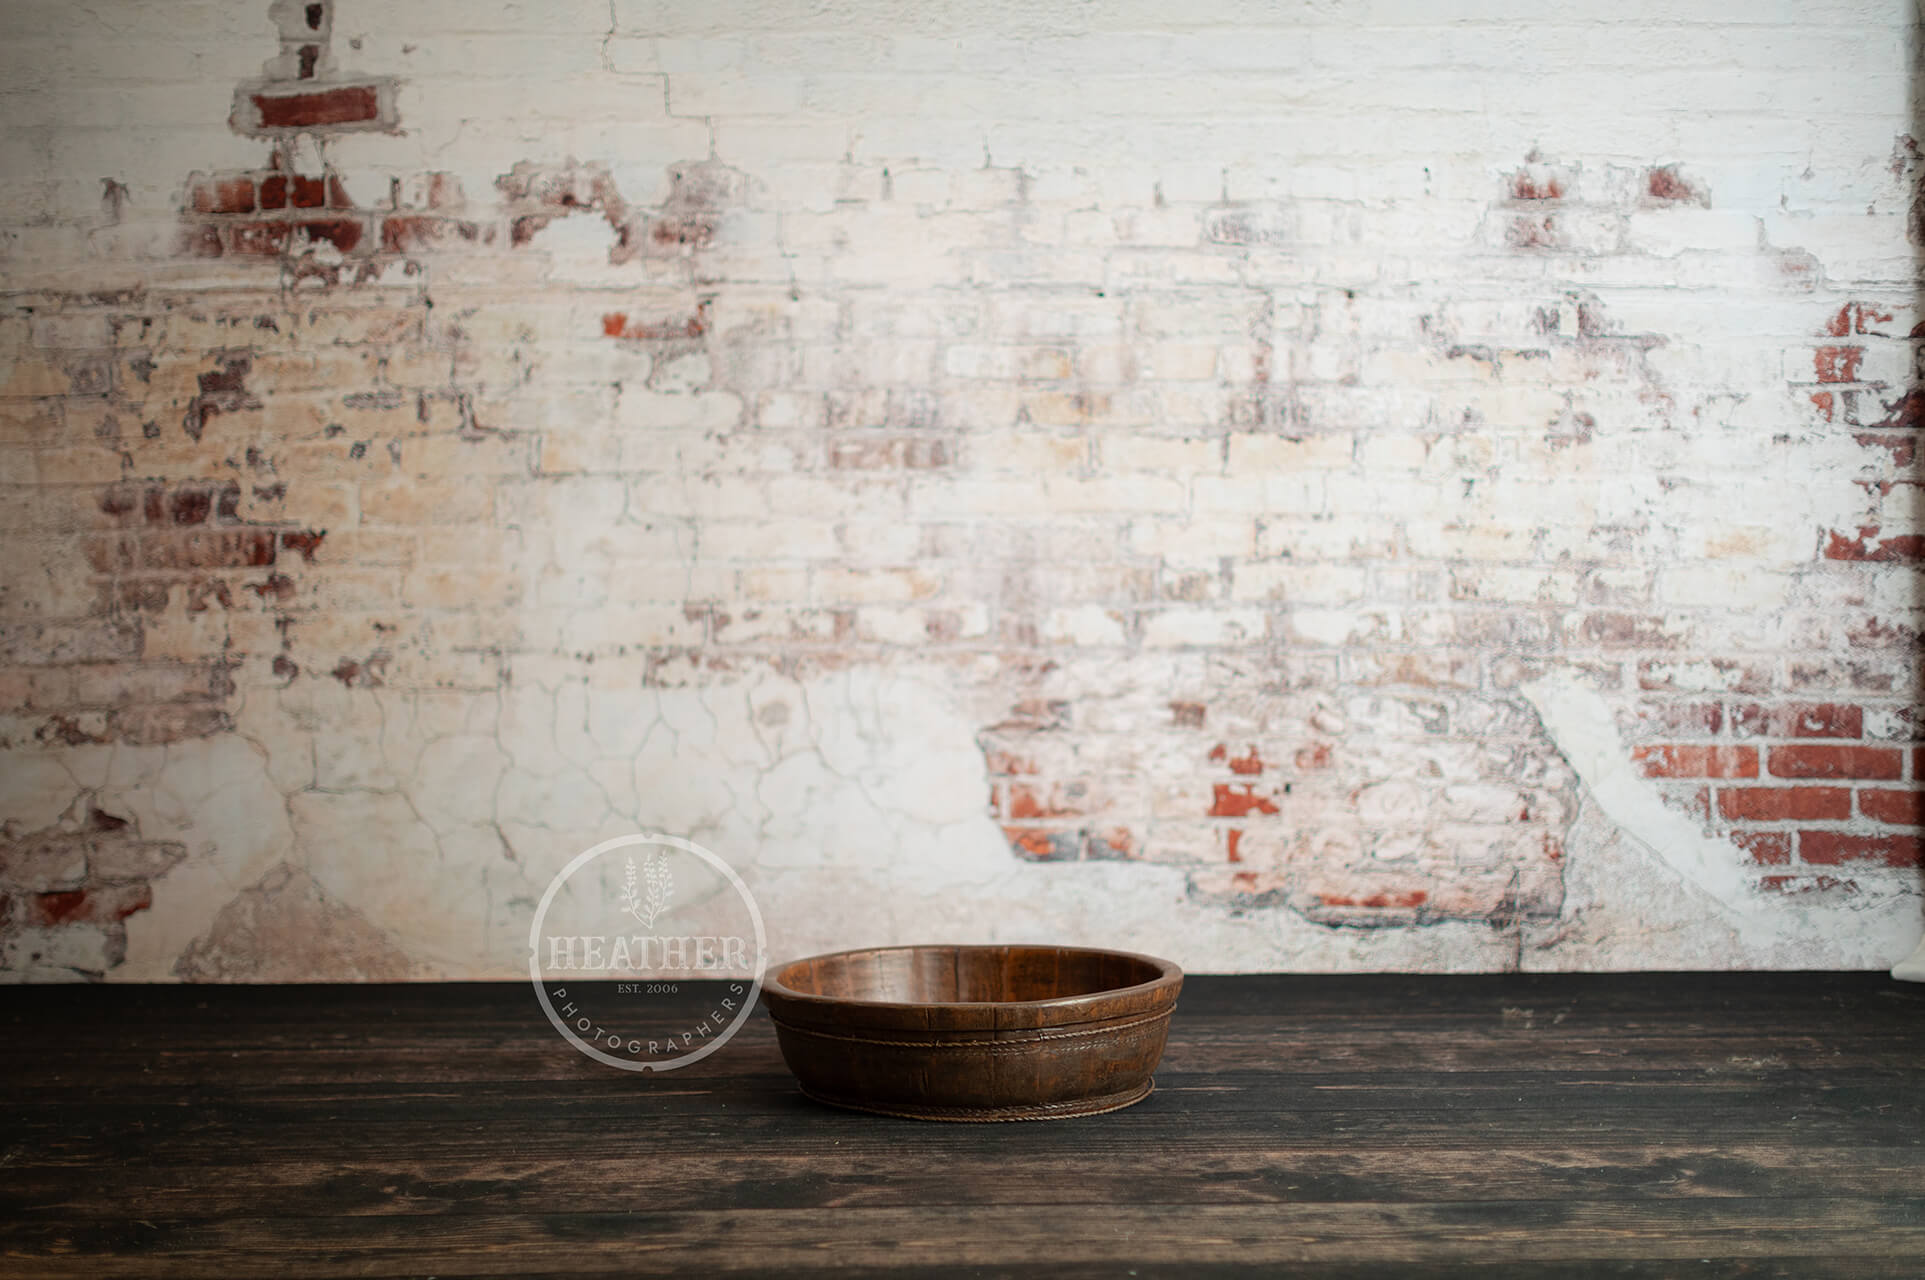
(1868, 319)
(1901, 808)
(617, 324)
(1232, 842)
(1824, 405)
(306, 193)
(417, 234)
(1836, 762)
(1676, 720)
(224, 195)
(277, 587)
(1839, 325)
(305, 541)
(1685, 761)
(687, 232)
(201, 241)
(1657, 675)
(874, 454)
(1113, 842)
(257, 239)
(1666, 184)
(1025, 801)
(1249, 763)
(1525, 187)
(90, 906)
(1315, 756)
(1837, 364)
(1532, 231)
(1394, 901)
(1834, 848)
(1041, 846)
(343, 233)
(1004, 762)
(1187, 715)
(1767, 848)
(1807, 884)
(1799, 720)
(1869, 546)
(1906, 411)
(344, 104)
(1784, 804)
(209, 549)
(1231, 800)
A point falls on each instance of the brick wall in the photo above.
(1358, 487)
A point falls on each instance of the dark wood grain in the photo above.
(1754, 1125)
(974, 1033)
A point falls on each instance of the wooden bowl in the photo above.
(974, 1033)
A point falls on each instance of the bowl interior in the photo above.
(956, 975)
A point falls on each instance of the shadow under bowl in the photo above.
(974, 1033)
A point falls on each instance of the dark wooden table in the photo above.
(1624, 1125)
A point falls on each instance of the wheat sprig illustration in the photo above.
(660, 885)
(631, 901)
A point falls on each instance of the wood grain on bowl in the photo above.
(974, 1033)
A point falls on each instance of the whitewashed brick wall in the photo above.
(1360, 484)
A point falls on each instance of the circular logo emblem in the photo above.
(647, 952)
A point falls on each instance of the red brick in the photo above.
(1836, 762)
(1668, 185)
(209, 549)
(1028, 801)
(1834, 848)
(416, 234)
(1005, 762)
(343, 233)
(224, 195)
(1869, 546)
(1784, 804)
(1837, 364)
(1906, 411)
(1902, 808)
(345, 104)
(1675, 720)
(1188, 715)
(1249, 764)
(1683, 761)
(1231, 801)
(1037, 844)
(257, 239)
(1767, 848)
(90, 906)
(1807, 884)
(1799, 720)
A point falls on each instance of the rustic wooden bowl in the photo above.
(974, 1033)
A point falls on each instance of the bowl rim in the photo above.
(1169, 975)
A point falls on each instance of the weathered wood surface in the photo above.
(1623, 1125)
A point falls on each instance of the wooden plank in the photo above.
(1377, 1125)
(852, 1240)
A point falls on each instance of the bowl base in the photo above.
(993, 1115)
